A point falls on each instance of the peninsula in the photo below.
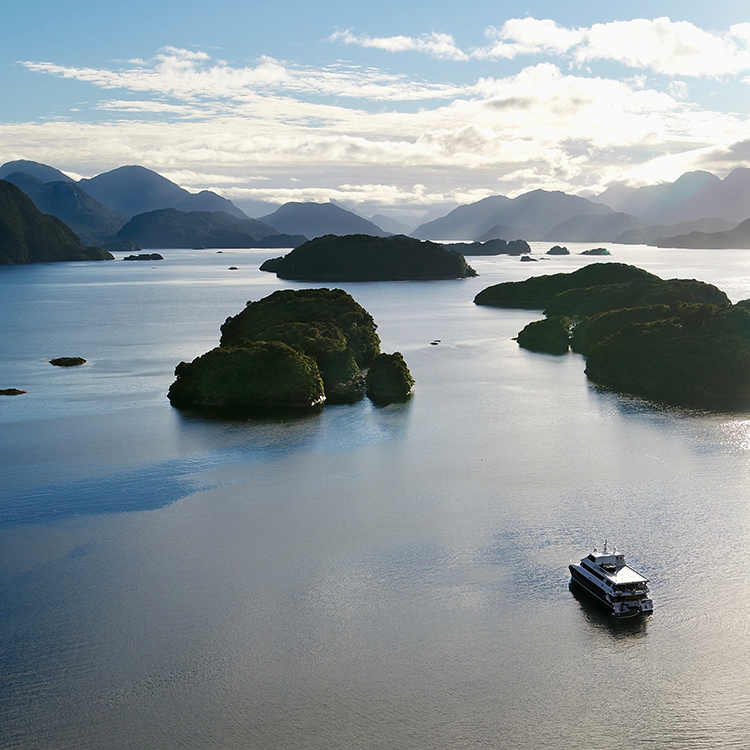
(677, 339)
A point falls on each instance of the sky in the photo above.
(395, 108)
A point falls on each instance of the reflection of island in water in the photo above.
(676, 339)
(293, 349)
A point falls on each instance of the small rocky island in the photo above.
(680, 340)
(145, 256)
(496, 247)
(293, 349)
(68, 361)
(362, 257)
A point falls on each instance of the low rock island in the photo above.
(68, 361)
(293, 349)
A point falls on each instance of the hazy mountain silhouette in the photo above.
(593, 228)
(319, 219)
(389, 224)
(92, 221)
(648, 234)
(170, 228)
(29, 236)
(532, 214)
(695, 195)
(499, 232)
(134, 190)
(737, 238)
(42, 172)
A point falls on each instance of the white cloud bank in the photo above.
(673, 48)
(278, 131)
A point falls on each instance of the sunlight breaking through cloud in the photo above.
(275, 129)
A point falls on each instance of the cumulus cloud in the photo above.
(661, 45)
(256, 128)
(436, 45)
(529, 36)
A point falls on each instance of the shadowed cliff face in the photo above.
(29, 236)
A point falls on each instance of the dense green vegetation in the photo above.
(701, 353)
(389, 379)
(590, 331)
(496, 247)
(29, 236)
(321, 339)
(551, 335)
(678, 339)
(257, 375)
(362, 257)
(538, 291)
(285, 306)
(580, 303)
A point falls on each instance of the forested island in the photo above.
(293, 349)
(362, 257)
(677, 339)
(495, 247)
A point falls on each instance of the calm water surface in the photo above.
(363, 577)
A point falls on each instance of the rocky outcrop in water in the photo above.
(68, 361)
(389, 379)
(292, 349)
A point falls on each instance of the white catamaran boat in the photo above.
(605, 576)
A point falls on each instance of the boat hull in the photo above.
(596, 593)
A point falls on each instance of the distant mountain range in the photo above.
(695, 195)
(91, 220)
(319, 219)
(135, 190)
(558, 217)
(389, 224)
(97, 209)
(736, 238)
(649, 234)
(530, 216)
(170, 228)
(42, 172)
